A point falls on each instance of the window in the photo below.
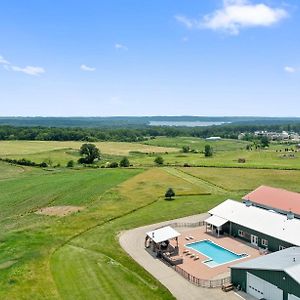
(281, 247)
(264, 242)
(241, 233)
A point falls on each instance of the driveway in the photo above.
(132, 241)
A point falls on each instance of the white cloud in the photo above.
(120, 47)
(235, 15)
(187, 22)
(289, 69)
(87, 68)
(29, 70)
(3, 61)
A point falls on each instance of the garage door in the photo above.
(262, 289)
(293, 297)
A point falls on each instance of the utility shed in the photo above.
(273, 277)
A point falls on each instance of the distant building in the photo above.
(213, 138)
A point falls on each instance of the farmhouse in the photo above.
(260, 227)
(280, 200)
(275, 276)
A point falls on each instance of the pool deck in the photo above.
(200, 270)
(132, 242)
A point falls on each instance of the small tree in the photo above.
(159, 160)
(70, 164)
(124, 162)
(89, 152)
(185, 149)
(169, 194)
(208, 151)
(264, 141)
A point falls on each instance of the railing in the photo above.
(206, 283)
(184, 224)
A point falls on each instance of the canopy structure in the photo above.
(163, 234)
(216, 221)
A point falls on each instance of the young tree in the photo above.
(70, 164)
(159, 160)
(185, 149)
(208, 151)
(169, 194)
(124, 162)
(264, 142)
(89, 152)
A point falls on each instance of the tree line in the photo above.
(136, 134)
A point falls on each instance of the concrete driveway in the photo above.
(132, 241)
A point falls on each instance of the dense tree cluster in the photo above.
(136, 133)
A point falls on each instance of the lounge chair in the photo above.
(188, 253)
(192, 255)
(191, 237)
(185, 251)
(196, 257)
(187, 238)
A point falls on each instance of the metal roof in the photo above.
(269, 223)
(275, 198)
(287, 260)
(216, 221)
(163, 234)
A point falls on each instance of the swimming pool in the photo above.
(216, 254)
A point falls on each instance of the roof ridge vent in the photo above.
(290, 215)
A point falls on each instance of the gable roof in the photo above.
(163, 234)
(270, 223)
(280, 199)
(287, 260)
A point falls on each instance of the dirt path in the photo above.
(196, 181)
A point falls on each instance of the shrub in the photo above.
(124, 162)
(159, 160)
(113, 164)
(70, 164)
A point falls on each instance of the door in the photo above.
(254, 240)
(293, 297)
(262, 289)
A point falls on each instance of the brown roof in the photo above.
(275, 198)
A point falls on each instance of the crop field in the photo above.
(77, 256)
(113, 148)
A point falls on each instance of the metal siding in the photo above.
(273, 244)
(289, 285)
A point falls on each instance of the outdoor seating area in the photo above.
(193, 261)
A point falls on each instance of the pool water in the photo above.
(216, 254)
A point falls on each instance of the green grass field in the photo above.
(226, 153)
(78, 256)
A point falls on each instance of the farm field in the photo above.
(226, 153)
(77, 256)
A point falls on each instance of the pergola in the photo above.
(161, 235)
(215, 222)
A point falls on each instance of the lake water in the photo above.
(185, 124)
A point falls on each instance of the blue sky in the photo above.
(158, 57)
